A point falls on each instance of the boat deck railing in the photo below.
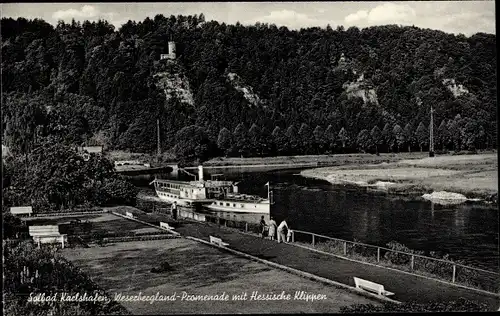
(242, 197)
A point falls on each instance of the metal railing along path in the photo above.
(409, 262)
(440, 269)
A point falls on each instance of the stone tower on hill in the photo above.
(171, 51)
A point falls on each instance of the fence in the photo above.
(403, 260)
(71, 213)
(408, 261)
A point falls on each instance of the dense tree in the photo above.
(442, 137)
(240, 140)
(319, 140)
(305, 138)
(454, 128)
(409, 136)
(255, 140)
(292, 140)
(388, 137)
(224, 141)
(279, 140)
(422, 135)
(364, 140)
(89, 82)
(330, 138)
(54, 176)
(376, 136)
(343, 137)
(266, 141)
(192, 144)
(473, 134)
(398, 136)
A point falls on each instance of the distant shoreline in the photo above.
(474, 176)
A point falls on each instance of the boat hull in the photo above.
(240, 207)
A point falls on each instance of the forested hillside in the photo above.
(245, 90)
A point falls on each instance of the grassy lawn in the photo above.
(471, 175)
(200, 269)
(104, 223)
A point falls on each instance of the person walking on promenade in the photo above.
(262, 227)
(174, 210)
(289, 235)
(281, 231)
(272, 228)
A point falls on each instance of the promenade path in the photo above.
(405, 286)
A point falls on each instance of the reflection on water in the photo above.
(468, 231)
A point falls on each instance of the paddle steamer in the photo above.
(213, 195)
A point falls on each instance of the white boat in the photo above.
(213, 195)
(241, 203)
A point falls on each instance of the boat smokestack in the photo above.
(200, 173)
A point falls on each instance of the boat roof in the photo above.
(198, 184)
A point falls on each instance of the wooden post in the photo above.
(313, 240)
(246, 227)
(378, 254)
(62, 241)
(345, 248)
(454, 274)
(412, 262)
(293, 236)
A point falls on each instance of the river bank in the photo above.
(338, 159)
(474, 176)
(311, 160)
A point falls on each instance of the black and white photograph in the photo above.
(183, 158)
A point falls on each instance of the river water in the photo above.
(468, 231)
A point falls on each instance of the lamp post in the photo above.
(431, 134)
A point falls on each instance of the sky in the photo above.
(466, 17)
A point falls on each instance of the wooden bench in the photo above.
(47, 234)
(166, 226)
(371, 287)
(21, 210)
(129, 214)
(217, 241)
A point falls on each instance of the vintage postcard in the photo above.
(171, 158)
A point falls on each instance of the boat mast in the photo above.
(158, 136)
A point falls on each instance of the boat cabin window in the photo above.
(242, 205)
(220, 203)
(227, 204)
(234, 204)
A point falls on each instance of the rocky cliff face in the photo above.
(457, 90)
(361, 89)
(247, 90)
(172, 80)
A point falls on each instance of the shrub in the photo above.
(46, 272)
(399, 258)
(117, 191)
(461, 305)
